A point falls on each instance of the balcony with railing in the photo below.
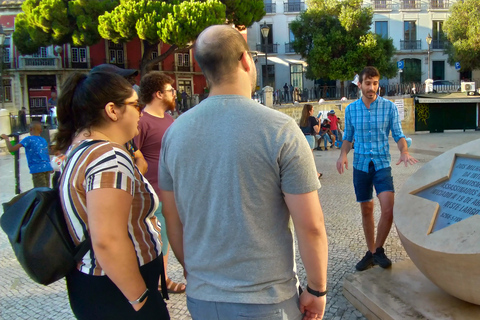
(270, 7)
(438, 44)
(270, 48)
(382, 5)
(410, 44)
(182, 67)
(38, 63)
(439, 5)
(410, 4)
(77, 63)
(289, 48)
(293, 6)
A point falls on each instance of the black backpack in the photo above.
(36, 228)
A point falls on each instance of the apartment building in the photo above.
(416, 28)
(408, 22)
(277, 63)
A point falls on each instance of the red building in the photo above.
(28, 80)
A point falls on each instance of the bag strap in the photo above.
(86, 244)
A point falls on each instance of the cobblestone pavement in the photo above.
(20, 298)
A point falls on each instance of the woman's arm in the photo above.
(108, 213)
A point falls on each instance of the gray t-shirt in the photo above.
(228, 161)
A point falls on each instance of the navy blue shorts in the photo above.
(364, 182)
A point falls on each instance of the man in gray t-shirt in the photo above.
(230, 190)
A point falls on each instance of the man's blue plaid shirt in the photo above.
(370, 128)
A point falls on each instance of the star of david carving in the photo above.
(457, 194)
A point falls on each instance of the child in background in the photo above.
(36, 149)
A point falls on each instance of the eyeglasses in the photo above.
(252, 54)
(136, 105)
(172, 90)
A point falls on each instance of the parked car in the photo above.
(442, 86)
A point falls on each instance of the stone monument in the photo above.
(437, 216)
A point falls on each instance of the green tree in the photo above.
(83, 22)
(334, 38)
(462, 29)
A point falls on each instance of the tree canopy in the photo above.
(84, 22)
(334, 38)
(462, 29)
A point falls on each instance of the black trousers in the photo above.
(97, 297)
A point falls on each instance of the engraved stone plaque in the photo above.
(458, 196)
(437, 216)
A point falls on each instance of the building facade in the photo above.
(28, 80)
(408, 22)
(412, 24)
(277, 63)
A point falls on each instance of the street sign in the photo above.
(457, 66)
(400, 64)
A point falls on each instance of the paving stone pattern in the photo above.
(21, 298)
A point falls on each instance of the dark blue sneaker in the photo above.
(366, 262)
(381, 259)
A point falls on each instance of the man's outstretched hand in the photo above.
(406, 158)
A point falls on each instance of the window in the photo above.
(183, 59)
(7, 90)
(42, 53)
(381, 28)
(291, 36)
(410, 41)
(296, 75)
(116, 54)
(410, 30)
(78, 56)
(438, 37)
(6, 50)
(38, 102)
(269, 6)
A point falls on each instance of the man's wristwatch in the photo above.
(140, 299)
(315, 292)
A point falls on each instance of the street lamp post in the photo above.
(429, 41)
(265, 30)
(2, 41)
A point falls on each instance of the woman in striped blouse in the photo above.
(104, 194)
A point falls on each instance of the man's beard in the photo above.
(171, 104)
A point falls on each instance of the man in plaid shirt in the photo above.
(369, 121)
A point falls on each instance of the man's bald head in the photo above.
(217, 51)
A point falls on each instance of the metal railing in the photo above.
(410, 44)
(270, 48)
(380, 5)
(439, 5)
(410, 4)
(289, 48)
(70, 63)
(293, 6)
(270, 7)
(39, 63)
(438, 44)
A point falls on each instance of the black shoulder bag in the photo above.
(36, 228)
